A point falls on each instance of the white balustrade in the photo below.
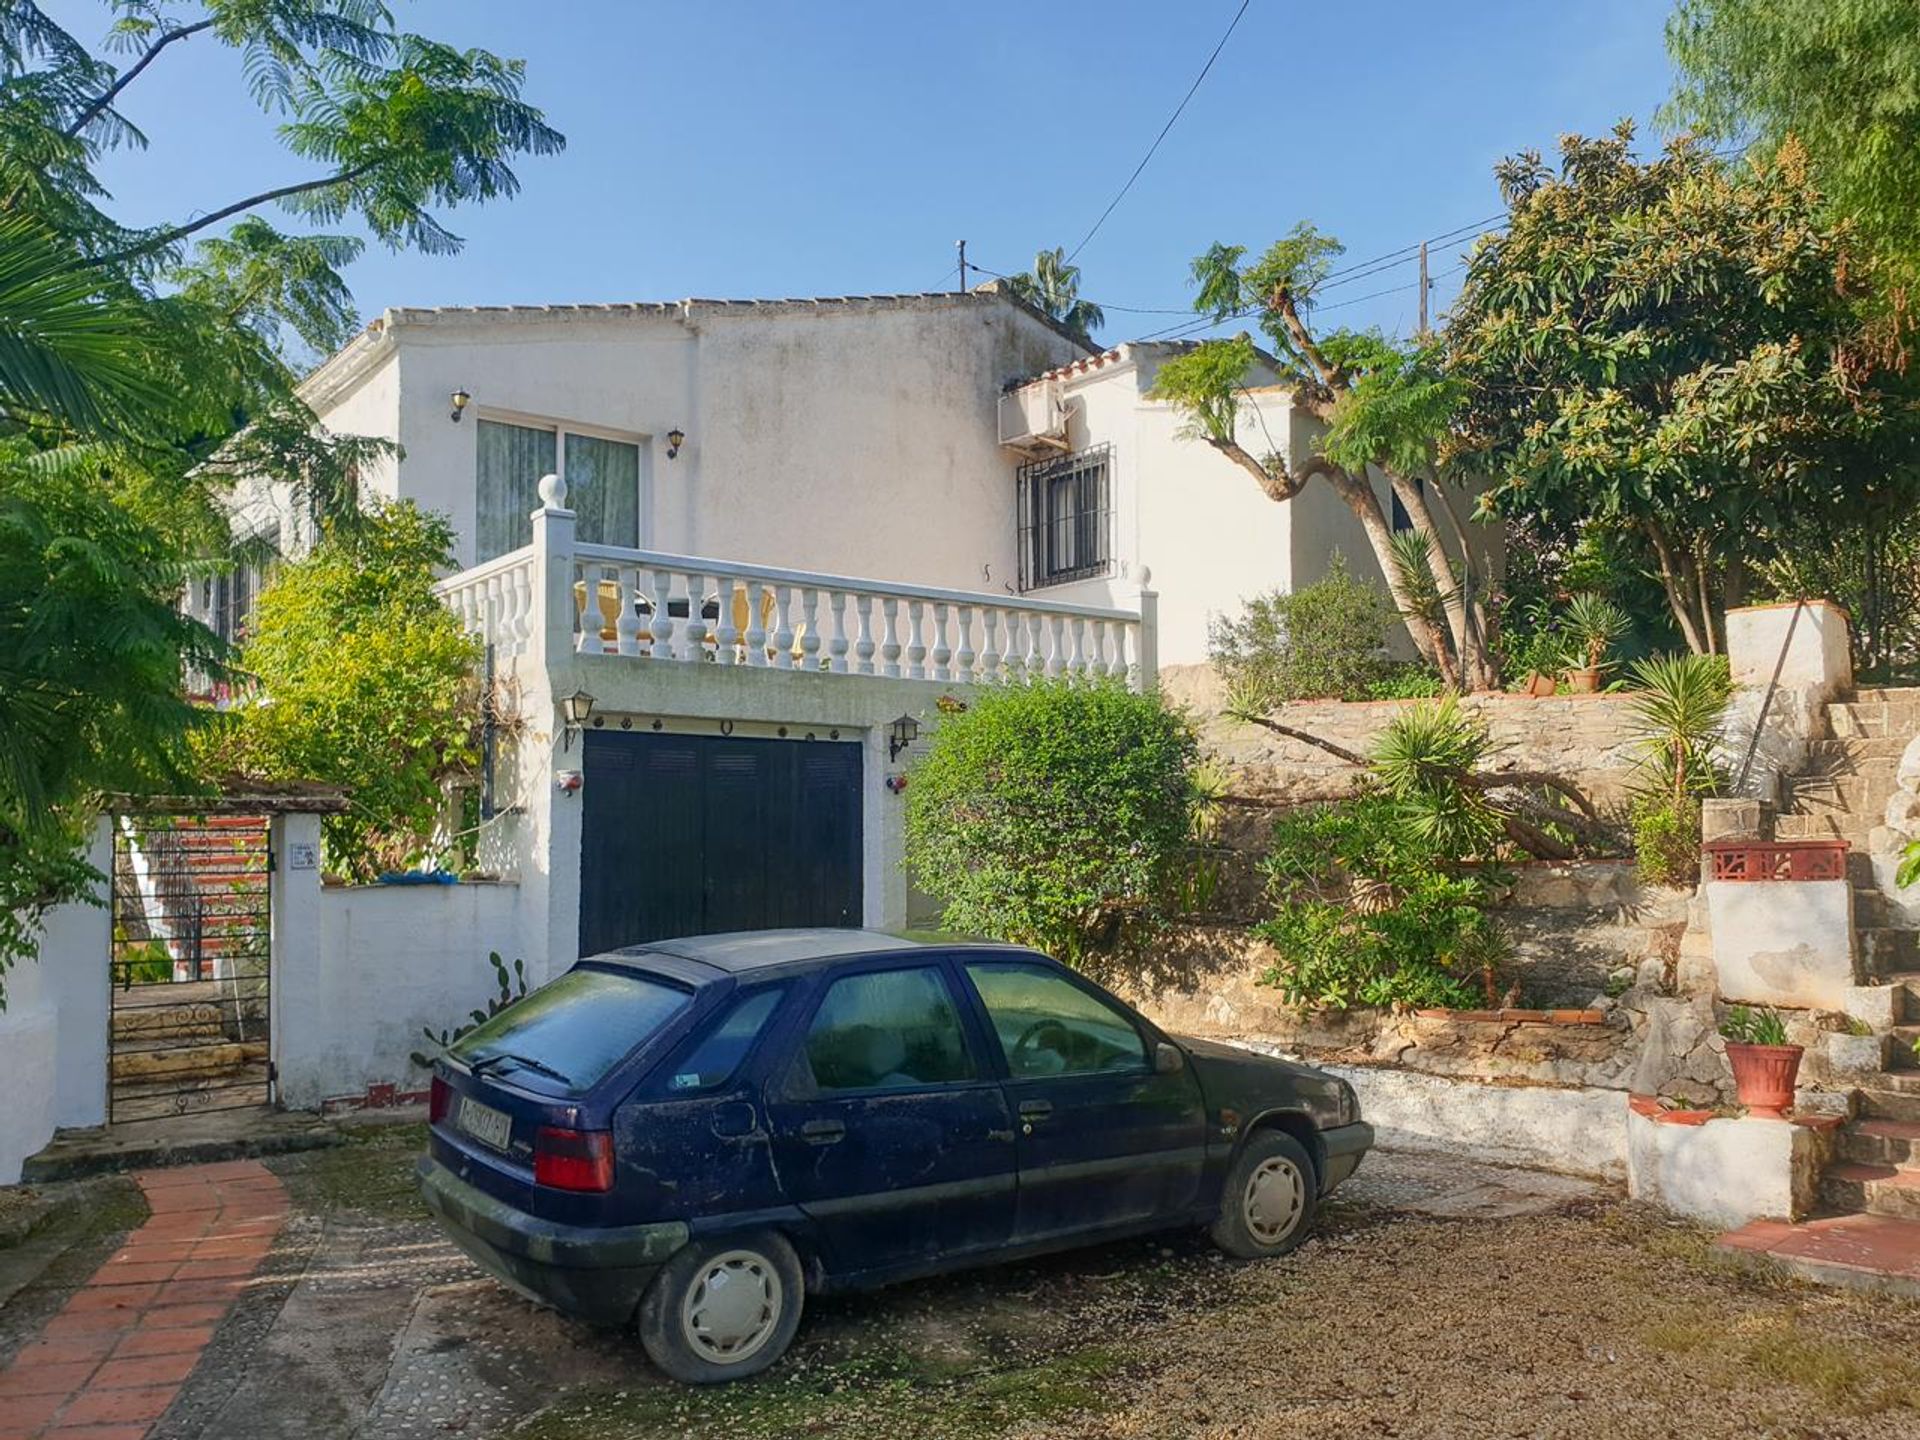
(656, 607)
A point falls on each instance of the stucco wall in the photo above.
(390, 961)
(1724, 1172)
(848, 437)
(1784, 942)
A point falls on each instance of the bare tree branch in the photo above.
(107, 97)
(180, 232)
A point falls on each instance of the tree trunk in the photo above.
(1466, 633)
(1673, 580)
(1482, 669)
(1357, 495)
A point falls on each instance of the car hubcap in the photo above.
(1274, 1199)
(732, 1306)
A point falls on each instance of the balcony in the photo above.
(658, 608)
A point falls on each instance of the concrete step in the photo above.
(1825, 825)
(1905, 985)
(1881, 1142)
(1888, 952)
(1904, 1058)
(1876, 1189)
(1858, 753)
(1883, 694)
(1853, 795)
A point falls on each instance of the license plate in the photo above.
(486, 1124)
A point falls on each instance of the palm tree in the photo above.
(1053, 288)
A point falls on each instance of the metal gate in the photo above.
(191, 965)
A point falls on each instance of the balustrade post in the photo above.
(963, 653)
(661, 624)
(942, 652)
(810, 629)
(726, 635)
(990, 644)
(1147, 646)
(863, 646)
(783, 626)
(837, 651)
(890, 643)
(916, 646)
(552, 621)
(756, 637)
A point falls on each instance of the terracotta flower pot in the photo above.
(1541, 686)
(1583, 682)
(1763, 1077)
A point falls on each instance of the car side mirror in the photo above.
(1167, 1059)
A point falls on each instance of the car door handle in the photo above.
(823, 1132)
(1035, 1109)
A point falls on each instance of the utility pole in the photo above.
(962, 246)
(1424, 284)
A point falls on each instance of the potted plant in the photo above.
(1765, 1066)
(1594, 623)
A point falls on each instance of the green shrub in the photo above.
(1326, 640)
(1368, 911)
(1666, 839)
(1404, 682)
(363, 679)
(1055, 814)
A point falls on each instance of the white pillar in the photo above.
(298, 1002)
(76, 953)
(553, 574)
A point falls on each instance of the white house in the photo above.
(775, 536)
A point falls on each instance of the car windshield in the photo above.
(574, 1030)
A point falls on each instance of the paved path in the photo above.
(108, 1365)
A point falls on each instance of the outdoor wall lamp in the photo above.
(575, 709)
(461, 399)
(676, 437)
(901, 734)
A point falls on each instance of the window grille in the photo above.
(1066, 518)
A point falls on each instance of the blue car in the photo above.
(697, 1134)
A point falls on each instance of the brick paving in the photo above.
(1871, 1251)
(109, 1363)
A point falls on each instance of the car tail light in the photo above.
(439, 1100)
(573, 1159)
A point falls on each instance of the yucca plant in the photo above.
(1679, 708)
(1428, 759)
(1595, 624)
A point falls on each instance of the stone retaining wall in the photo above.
(1586, 738)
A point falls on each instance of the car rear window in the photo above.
(573, 1031)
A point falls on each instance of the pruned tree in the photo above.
(1387, 409)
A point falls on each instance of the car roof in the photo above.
(742, 951)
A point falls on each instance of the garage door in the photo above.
(696, 834)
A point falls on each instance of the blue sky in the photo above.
(729, 148)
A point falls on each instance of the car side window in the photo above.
(1049, 1026)
(888, 1030)
(717, 1055)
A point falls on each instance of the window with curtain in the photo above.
(603, 485)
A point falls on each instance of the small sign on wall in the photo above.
(302, 856)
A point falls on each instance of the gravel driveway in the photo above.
(1439, 1299)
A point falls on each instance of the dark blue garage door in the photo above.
(697, 834)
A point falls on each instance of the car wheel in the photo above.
(1270, 1195)
(723, 1310)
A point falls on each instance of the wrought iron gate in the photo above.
(191, 964)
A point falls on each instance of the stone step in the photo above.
(1881, 1142)
(1876, 1189)
(1889, 952)
(1881, 694)
(1866, 753)
(1851, 795)
(1892, 1095)
(1903, 1057)
(1825, 825)
(1905, 985)
(1874, 722)
(149, 1023)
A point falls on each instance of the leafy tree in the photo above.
(1674, 351)
(1054, 814)
(1835, 75)
(1387, 409)
(360, 677)
(1053, 288)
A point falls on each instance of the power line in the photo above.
(1163, 131)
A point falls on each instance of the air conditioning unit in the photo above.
(1033, 421)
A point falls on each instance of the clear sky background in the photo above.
(748, 148)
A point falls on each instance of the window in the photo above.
(715, 1057)
(602, 475)
(574, 1030)
(887, 1031)
(1049, 1026)
(1066, 519)
(228, 598)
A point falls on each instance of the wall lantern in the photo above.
(461, 399)
(676, 437)
(902, 733)
(576, 709)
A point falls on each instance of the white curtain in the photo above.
(603, 487)
(512, 460)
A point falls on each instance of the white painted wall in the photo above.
(1815, 665)
(1725, 1172)
(844, 436)
(389, 961)
(53, 1033)
(1784, 942)
(1577, 1131)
